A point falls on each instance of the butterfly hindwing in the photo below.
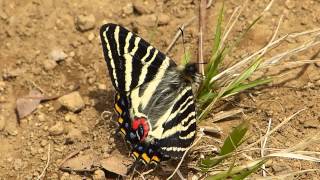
(179, 129)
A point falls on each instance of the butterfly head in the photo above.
(190, 69)
(141, 126)
(190, 72)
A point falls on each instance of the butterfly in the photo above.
(154, 98)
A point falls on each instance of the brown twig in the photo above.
(57, 96)
(202, 14)
(48, 98)
(178, 34)
(67, 169)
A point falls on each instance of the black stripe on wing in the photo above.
(127, 53)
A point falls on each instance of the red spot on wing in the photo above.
(141, 121)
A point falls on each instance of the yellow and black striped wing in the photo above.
(131, 60)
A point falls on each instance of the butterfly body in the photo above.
(154, 97)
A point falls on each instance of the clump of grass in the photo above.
(221, 83)
(210, 90)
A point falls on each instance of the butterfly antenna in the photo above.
(182, 36)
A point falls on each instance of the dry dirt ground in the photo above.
(35, 33)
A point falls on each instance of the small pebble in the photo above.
(72, 54)
(74, 135)
(2, 86)
(289, 4)
(163, 19)
(56, 129)
(2, 123)
(102, 86)
(280, 168)
(43, 143)
(65, 176)
(99, 175)
(57, 55)
(11, 130)
(146, 20)
(85, 22)
(142, 7)
(44, 158)
(49, 64)
(312, 123)
(70, 117)
(90, 37)
(73, 101)
(41, 117)
(17, 164)
(111, 140)
(128, 9)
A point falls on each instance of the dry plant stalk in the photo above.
(202, 14)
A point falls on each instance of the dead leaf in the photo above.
(26, 105)
(116, 164)
(81, 162)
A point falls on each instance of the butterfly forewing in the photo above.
(131, 60)
(149, 85)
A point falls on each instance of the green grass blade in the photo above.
(235, 138)
(246, 171)
(242, 87)
(217, 40)
(240, 172)
(244, 75)
(232, 142)
(210, 162)
(186, 57)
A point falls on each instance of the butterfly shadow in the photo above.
(104, 102)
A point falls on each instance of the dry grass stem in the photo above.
(240, 64)
(285, 121)
(288, 175)
(184, 155)
(42, 175)
(263, 146)
(269, 46)
(202, 15)
(226, 114)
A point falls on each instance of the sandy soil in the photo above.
(34, 33)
